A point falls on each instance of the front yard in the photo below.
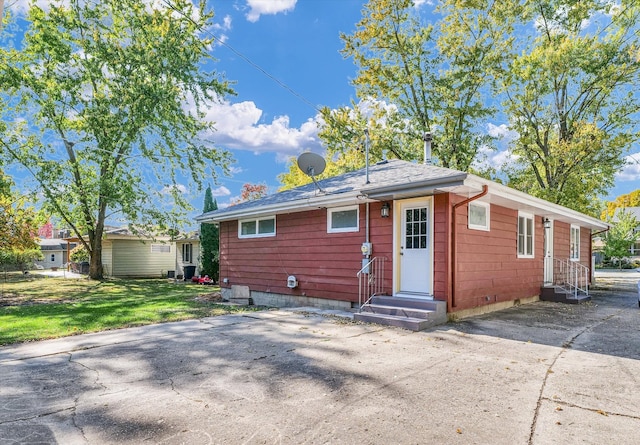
(35, 308)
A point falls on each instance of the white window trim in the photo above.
(190, 249)
(486, 227)
(160, 248)
(533, 239)
(571, 231)
(330, 213)
(257, 221)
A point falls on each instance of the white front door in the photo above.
(414, 248)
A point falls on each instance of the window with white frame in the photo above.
(256, 228)
(574, 252)
(160, 248)
(525, 235)
(187, 253)
(343, 219)
(479, 215)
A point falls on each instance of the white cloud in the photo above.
(262, 7)
(220, 191)
(501, 132)
(237, 126)
(631, 171)
(179, 187)
(220, 30)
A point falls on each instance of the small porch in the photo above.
(566, 281)
(376, 305)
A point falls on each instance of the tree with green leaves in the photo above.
(631, 199)
(346, 161)
(210, 240)
(571, 95)
(107, 109)
(416, 77)
(18, 226)
(621, 237)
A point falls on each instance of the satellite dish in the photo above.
(311, 165)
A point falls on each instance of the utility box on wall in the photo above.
(292, 282)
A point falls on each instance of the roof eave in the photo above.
(299, 205)
(543, 208)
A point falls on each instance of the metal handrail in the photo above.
(370, 280)
(571, 276)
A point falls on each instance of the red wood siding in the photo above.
(325, 264)
(488, 269)
(562, 243)
(441, 246)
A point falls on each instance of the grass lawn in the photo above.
(35, 308)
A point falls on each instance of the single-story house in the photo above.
(187, 255)
(634, 250)
(427, 237)
(127, 255)
(54, 253)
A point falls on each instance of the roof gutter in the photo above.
(300, 205)
(485, 190)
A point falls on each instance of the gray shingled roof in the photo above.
(384, 174)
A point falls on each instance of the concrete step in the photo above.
(409, 313)
(410, 323)
(413, 303)
(399, 311)
(559, 295)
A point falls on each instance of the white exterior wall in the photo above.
(133, 258)
(195, 257)
(107, 258)
(57, 261)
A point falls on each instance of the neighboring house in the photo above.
(125, 254)
(187, 256)
(634, 250)
(54, 252)
(456, 242)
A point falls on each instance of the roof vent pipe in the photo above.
(426, 137)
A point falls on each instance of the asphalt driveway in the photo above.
(543, 373)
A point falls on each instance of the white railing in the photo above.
(571, 276)
(370, 280)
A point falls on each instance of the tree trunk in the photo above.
(95, 264)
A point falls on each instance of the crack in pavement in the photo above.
(37, 416)
(593, 410)
(565, 346)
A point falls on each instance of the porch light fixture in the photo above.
(384, 210)
(546, 223)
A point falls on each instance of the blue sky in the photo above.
(283, 56)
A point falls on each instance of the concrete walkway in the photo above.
(543, 373)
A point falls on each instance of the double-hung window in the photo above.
(256, 228)
(525, 235)
(187, 253)
(574, 252)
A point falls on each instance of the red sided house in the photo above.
(406, 244)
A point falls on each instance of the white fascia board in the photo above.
(542, 207)
(301, 205)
